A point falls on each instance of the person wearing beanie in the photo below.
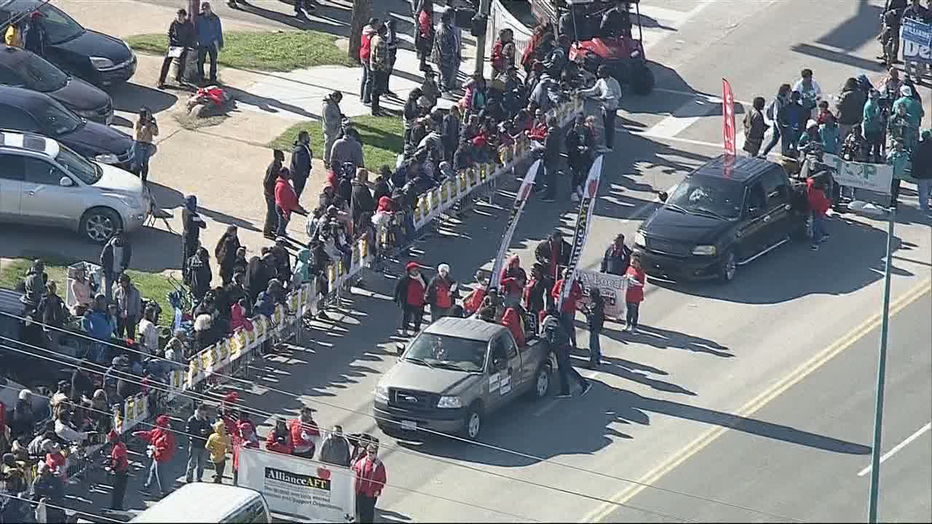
(441, 293)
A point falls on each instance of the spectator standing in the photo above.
(793, 117)
(148, 331)
(332, 118)
(608, 91)
(209, 41)
(119, 467)
(391, 40)
(301, 165)
(335, 448)
(568, 307)
(379, 67)
(51, 488)
(181, 37)
(286, 202)
(369, 483)
(595, 316)
(225, 253)
(424, 31)
(54, 313)
(634, 294)
(81, 290)
(302, 7)
(129, 307)
(444, 51)
(361, 201)
(441, 293)
(114, 260)
(218, 445)
(347, 149)
(365, 51)
(192, 224)
(161, 449)
(36, 36)
(503, 53)
(268, 186)
(13, 36)
(198, 274)
(553, 147)
(755, 127)
(146, 129)
(409, 295)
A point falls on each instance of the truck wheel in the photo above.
(541, 382)
(642, 80)
(729, 267)
(473, 423)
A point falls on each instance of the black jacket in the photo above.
(197, 431)
(562, 256)
(922, 160)
(616, 264)
(362, 201)
(552, 146)
(301, 161)
(106, 256)
(595, 315)
(381, 189)
(271, 176)
(192, 224)
(579, 146)
(53, 310)
(182, 34)
(539, 294)
(450, 133)
(257, 278)
(198, 276)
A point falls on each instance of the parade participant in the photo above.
(441, 293)
(608, 92)
(595, 317)
(559, 341)
(773, 115)
(580, 147)
(872, 126)
(335, 448)
(369, 483)
(114, 259)
(218, 445)
(244, 437)
(119, 467)
(409, 295)
(537, 292)
(810, 91)
(512, 281)
(811, 139)
(512, 319)
(922, 169)
(568, 308)
(792, 118)
(914, 114)
(898, 158)
(279, 439)
(617, 257)
(634, 294)
(198, 430)
(849, 107)
(304, 434)
(554, 253)
(829, 132)
(161, 448)
(755, 126)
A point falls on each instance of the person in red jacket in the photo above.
(511, 319)
(244, 437)
(304, 434)
(513, 278)
(369, 483)
(818, 204)
(365, 52)
(161, 448)
(286, 201)
(568, 308)
(119, 466)
(409, 295)
(424, 39)
(279, 439)
(635, 293)
(441, 293)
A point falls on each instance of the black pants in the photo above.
(126, 327)
(411, 314)
(119, 490)
(202, 54)
(365, 507)
(167, 64)
(379, 81)
(567, 371)
(271, 217)
(299, 183)
(608, 120)
(631, 314)
(218, 471)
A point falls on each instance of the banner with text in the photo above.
(612, 287)
(915, 42)
(583, 221)
(520, 200)
(862, 175)
(306, 489)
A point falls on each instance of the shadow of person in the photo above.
(132, 97)
(667, 339)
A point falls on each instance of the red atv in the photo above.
(596, 43)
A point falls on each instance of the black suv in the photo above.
(720, 217)
(29, 111)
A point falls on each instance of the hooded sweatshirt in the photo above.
(161, 439)
(513, 277)
(218, 443)
(285, 197)
(365, 43)
(304, 435)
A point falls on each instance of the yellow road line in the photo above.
(757, 403)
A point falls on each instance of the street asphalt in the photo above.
(706, 355)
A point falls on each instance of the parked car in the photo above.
(43, 182)
(455, 373)
(19, 68)
(32, 112)
(98, 58)
(721, 217)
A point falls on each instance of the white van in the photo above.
(207, 502)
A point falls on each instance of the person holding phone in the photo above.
(146, 129)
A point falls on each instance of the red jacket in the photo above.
(272, 444)
(119, 458)
(635, 293)
(285, 197)
(415, 292)
(817, 201)
(511, 276)
(512, 321)
(161, 439)
(473, 300)
(423, 23)
(365, 43)
(239, 443)
(238, 318)
(538, 131)
(301, 430)
(370, 477)
(569, 305)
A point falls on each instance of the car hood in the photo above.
(407, 375)
(116, 180)
(673, 225)
(80, 95)
(93, 139)
(92, 43)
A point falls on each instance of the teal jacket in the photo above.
(899, 160)
(302, 269)
(805, 140)
(872, 120)
(829, 136)
(913, 110)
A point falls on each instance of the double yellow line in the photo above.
(757, 403)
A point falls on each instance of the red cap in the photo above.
(411, 265)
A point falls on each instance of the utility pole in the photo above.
(881, 373)
(484, 8)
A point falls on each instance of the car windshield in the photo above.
(78, 166)
(446, 351)
(59, 27)
(720, 197)
(57, 120)
(39, 75)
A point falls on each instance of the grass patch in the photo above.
(152, 286)
(278, 51)
(382, 139)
